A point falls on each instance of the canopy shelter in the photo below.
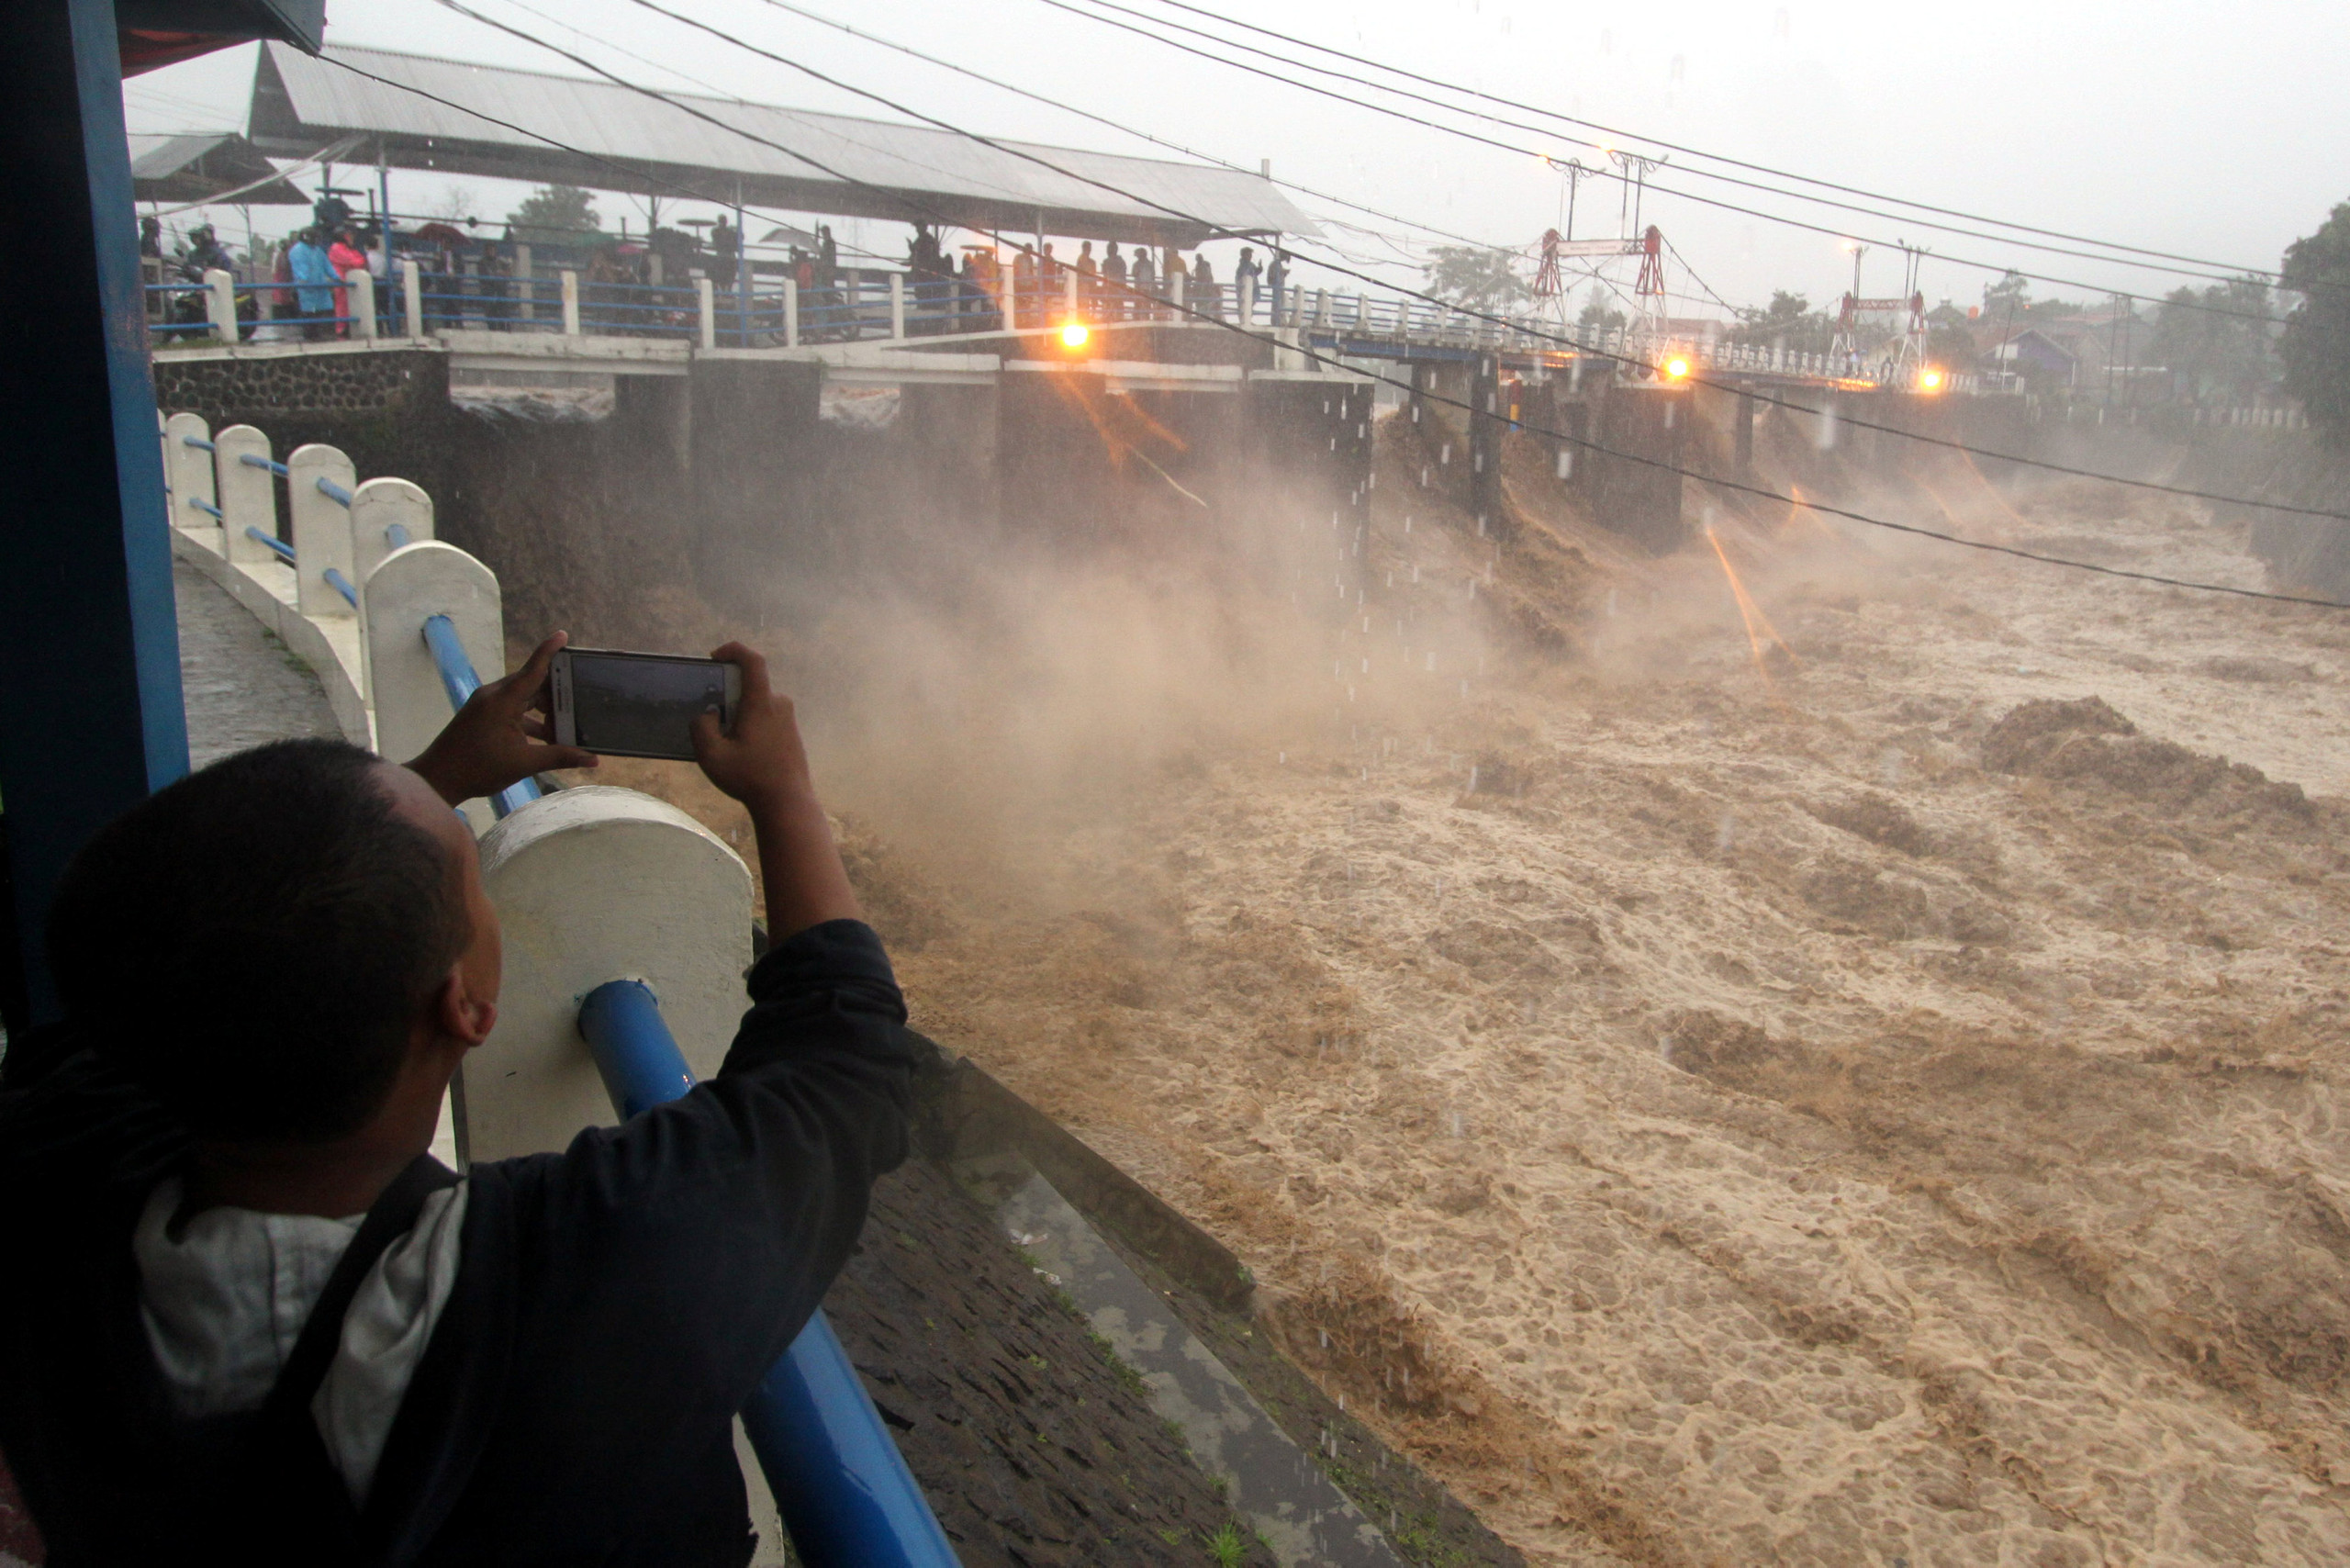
(630, 142)
(207, 167)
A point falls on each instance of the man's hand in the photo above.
(761, 759)
(762, 763)
(499, 737)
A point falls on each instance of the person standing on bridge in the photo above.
(1088, 283)
(1276, 282)
(314, 278)
(1206, 296)
(1244, 285)
(1143, 281)
(345, 257)
(269, 1326)
(1114, 299)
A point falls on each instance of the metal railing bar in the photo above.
(198, 443)
(249, 460)
(200, 504)
(341, 585)
(284, 550)
(458, 679)
(396, 534)
(844, 1492)
(333, 491)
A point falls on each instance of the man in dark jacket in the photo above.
(250, 1317)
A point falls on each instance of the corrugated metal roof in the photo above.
(193, 166)
(901, 171)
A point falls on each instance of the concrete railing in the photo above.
(605, 894)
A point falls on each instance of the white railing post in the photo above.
(1007, 282)
(592, 885)
(362, 301)
(376, 507)
(1247, 302)
(570, 304)
(412, 296)
(1069, 292)
(189, 471)
(1175, 296)
(408, 588)
(526, 308)
(791, 312)
(321, 531)
(897, 304)
(706, 305)
(248, 495)
(220, 303)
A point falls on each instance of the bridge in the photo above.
(866, 326)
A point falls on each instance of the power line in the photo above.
(1136, 198)
(1998, 267)
(1317, 356)
(1714, 157)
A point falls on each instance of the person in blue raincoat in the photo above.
(314, 285)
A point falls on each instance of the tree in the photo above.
(1788, 318)
(2316, 344)
(554, 215)
(1475, 277)
(2214, 342)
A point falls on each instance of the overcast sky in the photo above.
(2212, 131)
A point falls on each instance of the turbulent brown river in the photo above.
(1842, 1071)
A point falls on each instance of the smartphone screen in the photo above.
(642, 704)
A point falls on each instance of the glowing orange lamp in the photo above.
(1931, 379)
(1676, 367)
(1075, 335)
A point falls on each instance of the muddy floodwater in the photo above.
(1847, 1077)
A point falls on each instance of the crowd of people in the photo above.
(297, 288)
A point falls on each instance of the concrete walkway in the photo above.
(242, 686)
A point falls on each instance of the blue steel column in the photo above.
(90, 711)
(839, 1482)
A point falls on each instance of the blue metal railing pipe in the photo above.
(341, 585)
(458, 679)
(396, 535)
(840, 1484)
(333, 491)
(284, 550)
(198, 443)
(200, 504)
(249, 460)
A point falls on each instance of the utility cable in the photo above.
(1712, 157)
(2001, 268)
(1331, 362)
(1009, 151)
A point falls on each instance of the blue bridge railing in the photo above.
(458, 679)
(839, 1482)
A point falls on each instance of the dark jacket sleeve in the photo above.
(677, 1255)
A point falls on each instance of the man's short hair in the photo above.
(254, 942)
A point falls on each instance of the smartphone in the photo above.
(624, 704)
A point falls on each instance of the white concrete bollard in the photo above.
(248, 495)
(592, 885)
(897, 304)
(363, 302)
(412, 297)
(791, 312)
(375, 508)
(408, 588)
(321, 529)
(570, 304)
(188, 470)
(220, 303)
(706, 305)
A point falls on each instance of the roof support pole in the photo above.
(90, 711)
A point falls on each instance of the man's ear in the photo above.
(458, 1013)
